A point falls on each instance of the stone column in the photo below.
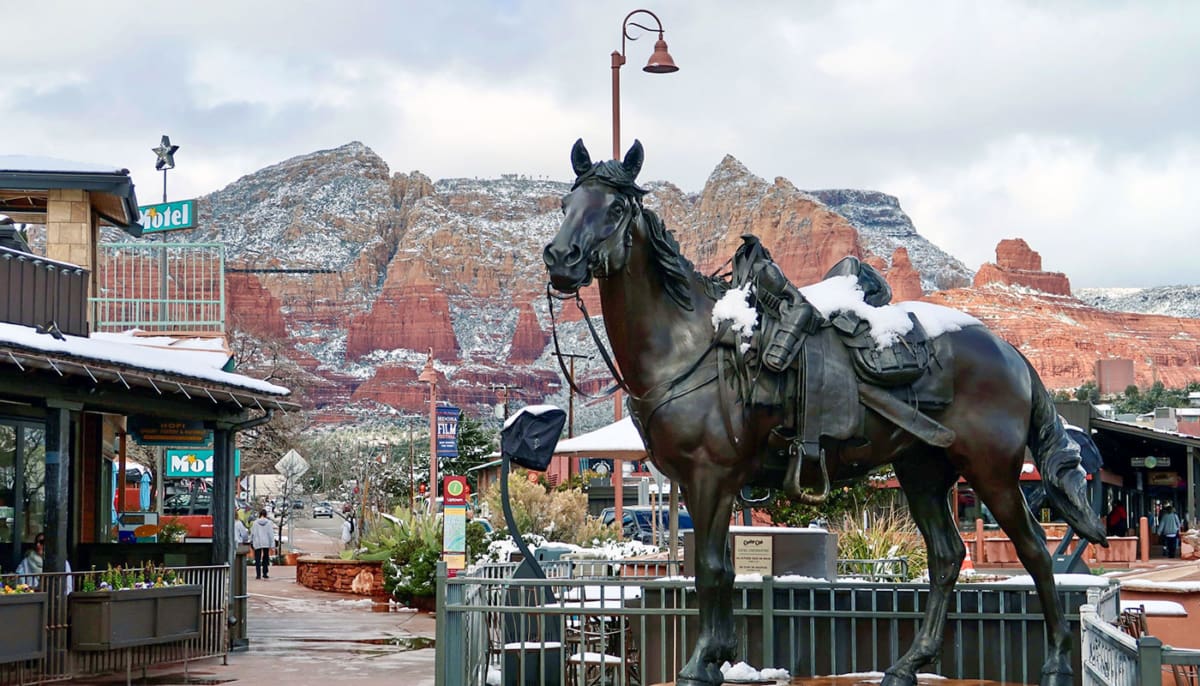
(72, 232)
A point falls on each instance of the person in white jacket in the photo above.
(262, 539)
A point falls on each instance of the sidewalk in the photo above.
(302, 637)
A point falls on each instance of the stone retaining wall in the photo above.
(341, 576)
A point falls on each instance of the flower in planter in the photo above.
(17, 588)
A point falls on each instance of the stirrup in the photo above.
(798, 456)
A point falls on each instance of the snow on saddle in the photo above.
(839, 347)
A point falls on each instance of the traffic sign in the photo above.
(292, 465)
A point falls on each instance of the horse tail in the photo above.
(1057, 458)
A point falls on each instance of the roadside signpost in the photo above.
(454, 521)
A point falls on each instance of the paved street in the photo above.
(301, 637)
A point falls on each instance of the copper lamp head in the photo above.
(660, 62)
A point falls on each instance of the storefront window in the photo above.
(8, 475)
(22, 488)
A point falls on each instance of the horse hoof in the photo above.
(893, 679)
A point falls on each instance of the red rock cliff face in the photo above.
(411, 313)
(803, 235)
(529, 341)
(1063, 337)
(414, 265)
(903, 278)
(1019, 265)
(253, 308)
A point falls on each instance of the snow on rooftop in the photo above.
(1156, 608)
(30, 163)
(621, 435)
(129, 350)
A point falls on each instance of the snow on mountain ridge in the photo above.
(883, 226)
(1173, 301)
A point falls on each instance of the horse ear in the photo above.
(581, 161)
(634, 158)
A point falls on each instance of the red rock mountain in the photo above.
(399, 265)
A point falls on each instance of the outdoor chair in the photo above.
(1133, 622)
(602, 652)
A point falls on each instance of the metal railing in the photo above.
(1112, 657)
(533, 631)
(168, 287)
(62, 664)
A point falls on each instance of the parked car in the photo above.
(298, 504)
(322, 509)
(636, 523)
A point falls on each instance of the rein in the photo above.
(620, 383)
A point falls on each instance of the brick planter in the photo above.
(359, 577)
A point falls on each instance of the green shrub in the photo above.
(410, 550)
(558, 515)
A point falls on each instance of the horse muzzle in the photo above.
(567, 269)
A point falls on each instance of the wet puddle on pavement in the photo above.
(403, 643)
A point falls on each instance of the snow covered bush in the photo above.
(558, 515)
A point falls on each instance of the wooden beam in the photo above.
(113, 398)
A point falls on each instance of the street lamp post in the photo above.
(660, 63)
(429, 376)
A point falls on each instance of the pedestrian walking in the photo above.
(262, 539)
(348, 532)
(241, 535)
(1118, 520)
(1169, 526)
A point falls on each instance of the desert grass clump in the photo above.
(888, 533)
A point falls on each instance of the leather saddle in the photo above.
(830, 370)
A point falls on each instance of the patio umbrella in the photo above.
(144, 492)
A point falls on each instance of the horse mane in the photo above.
(677, 270)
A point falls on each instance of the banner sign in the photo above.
(447, 431)
(155, 431)
(168, 216)
(196, 463)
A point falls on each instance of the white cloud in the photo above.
(1070, 124)
(1104, 219)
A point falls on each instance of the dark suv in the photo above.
(636, 523)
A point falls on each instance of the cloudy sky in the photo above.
(1075, 125)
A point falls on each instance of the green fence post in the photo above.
(1149, 660)
(768, 618)
(440, 677)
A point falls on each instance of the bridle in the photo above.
(624, 230)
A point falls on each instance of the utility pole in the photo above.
(429, 376)
(571, 393)
(412, 472)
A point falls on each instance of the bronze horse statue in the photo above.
(712, 442)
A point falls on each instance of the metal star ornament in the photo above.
(166, 154)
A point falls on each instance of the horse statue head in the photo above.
(597, 214)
